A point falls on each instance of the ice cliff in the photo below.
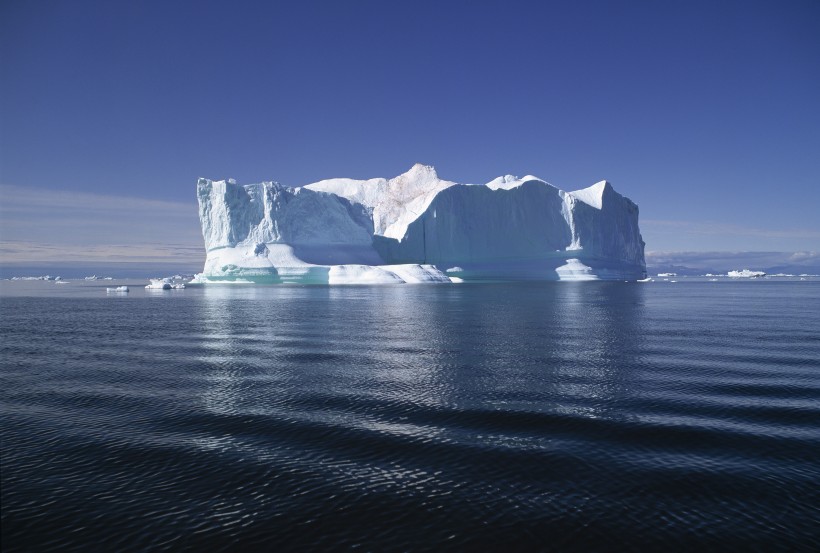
(417, 228)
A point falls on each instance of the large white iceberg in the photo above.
(417, 228)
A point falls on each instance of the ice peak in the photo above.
(421, 170)
(593, 195)
(599, 186)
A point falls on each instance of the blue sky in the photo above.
(704, 113)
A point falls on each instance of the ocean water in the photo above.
(557, 416)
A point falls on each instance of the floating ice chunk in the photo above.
(159, 284)
(117, 289)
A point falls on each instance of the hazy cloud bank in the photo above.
(41, 227)
(721, 262)
(51, 226)
(714, 236)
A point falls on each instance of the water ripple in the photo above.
(531, 417)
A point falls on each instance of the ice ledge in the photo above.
(326, 274)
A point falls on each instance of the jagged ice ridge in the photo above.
(416, 228)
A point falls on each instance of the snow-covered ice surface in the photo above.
(413, 227)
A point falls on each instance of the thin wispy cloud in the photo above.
(712, 228)
(41, 225)
(32, 253)
(716, 236)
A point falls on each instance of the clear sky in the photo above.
(706, 114)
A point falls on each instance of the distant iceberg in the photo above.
(44, 277)
(117, 289)
(745, 273)
(413, 228)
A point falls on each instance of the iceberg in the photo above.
(166, 283)
(158, 284)
(416, 228)
(745, 273)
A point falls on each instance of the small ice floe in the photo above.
(117, 289)
(647, 279)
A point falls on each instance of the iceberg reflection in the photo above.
(402, 359)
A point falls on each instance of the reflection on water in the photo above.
(572, 416)
(600, 337)
(314, 352)
(223, 367)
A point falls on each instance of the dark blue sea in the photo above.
(555, 416)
